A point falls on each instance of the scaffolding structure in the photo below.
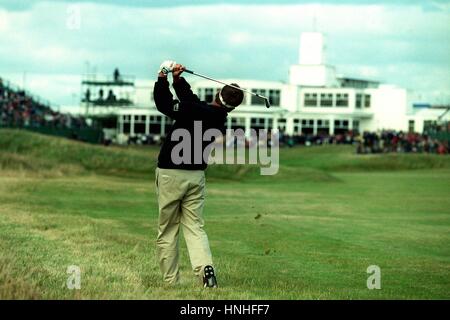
(105, 94)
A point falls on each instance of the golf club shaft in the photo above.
(226, 84)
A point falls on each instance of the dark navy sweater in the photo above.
(188, 111)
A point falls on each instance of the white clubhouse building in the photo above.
(315, 100)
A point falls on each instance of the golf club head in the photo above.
(267, 102)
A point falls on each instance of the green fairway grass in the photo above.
(309, 232)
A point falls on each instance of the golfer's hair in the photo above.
(232, 96)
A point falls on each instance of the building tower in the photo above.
(312, 70)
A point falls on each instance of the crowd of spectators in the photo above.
(392, 141)
(373, 142)
(366, 143)
(316, 139)
(19, 109)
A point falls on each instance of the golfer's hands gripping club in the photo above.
(171, 66)
(177, 71)
(166, 67)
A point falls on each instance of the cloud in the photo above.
(27, 4)
(223, 40)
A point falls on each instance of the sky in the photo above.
(46, 46)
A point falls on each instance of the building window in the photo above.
(282, 124)
(257, 100)
(358, 101)
(341, 124)
(274, 98)
(411, 126)
(237, 123)
(326, 99)
(297, 127)
(310, 100)
(308, 123)
(342, 100)
(367, 101)
(209, 95)
(139, 128)
(323, 126)
(139, 119)
(307, 126)
(323, 123)
(257, 123)
(356, 125)
(155, 119)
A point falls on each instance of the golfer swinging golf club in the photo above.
(181, 187)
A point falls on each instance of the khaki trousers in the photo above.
(181, 194)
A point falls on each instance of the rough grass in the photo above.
(309, 232)
(45, 155)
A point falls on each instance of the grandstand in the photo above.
(21, 109)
